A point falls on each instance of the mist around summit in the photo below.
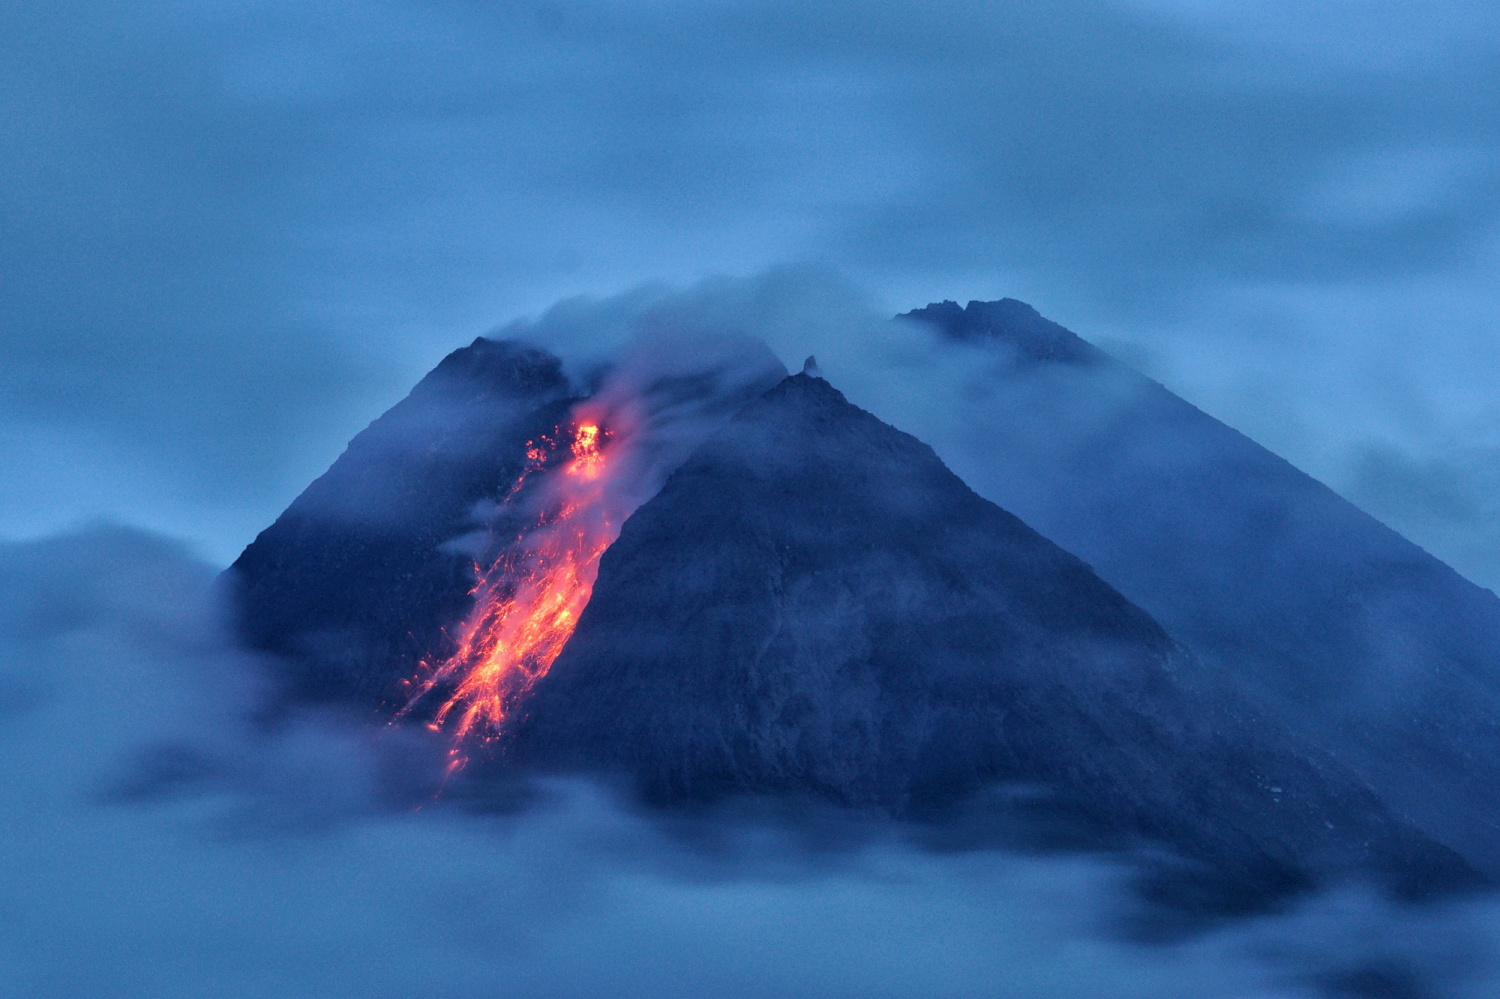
(213, 852)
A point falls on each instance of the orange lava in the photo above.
(527, 602)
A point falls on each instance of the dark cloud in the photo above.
(1390, 481)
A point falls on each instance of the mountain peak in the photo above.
(1014, 322)
(499, 368)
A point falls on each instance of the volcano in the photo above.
(806, 604)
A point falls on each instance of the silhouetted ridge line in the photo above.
(1333, 623)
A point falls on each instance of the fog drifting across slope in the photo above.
(161, 844)
(1368, 648)
(1421, 464)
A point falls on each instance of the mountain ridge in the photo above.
(1370, 646)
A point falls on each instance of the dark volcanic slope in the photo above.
(352, 584)
(1335, 623)
(813, 603)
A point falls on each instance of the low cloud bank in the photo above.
(160, 842)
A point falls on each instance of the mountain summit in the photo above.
(1013, 323)
(1357, 639)
(355, 581)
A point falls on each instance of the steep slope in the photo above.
(1357, 638)
(355, 581)
(814, 604)
(371, 577)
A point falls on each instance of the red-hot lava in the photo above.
(527, 602)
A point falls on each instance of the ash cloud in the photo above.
(669, 387)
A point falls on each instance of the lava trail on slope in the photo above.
(528, 597)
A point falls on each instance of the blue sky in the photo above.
(232, 233)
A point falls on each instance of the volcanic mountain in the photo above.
(811, 605)
(1356, 638)
(372, 569)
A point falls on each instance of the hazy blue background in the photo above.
(232, 233)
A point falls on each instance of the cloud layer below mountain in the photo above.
(160, 842)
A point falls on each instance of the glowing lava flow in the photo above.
(527, 602)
